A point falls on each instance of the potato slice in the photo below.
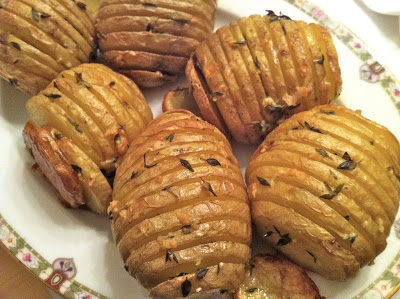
(148, 79)
(53, 164)
(96, 189)
(149, 23)
(200, 191)
(153, 62)
(326, 153)
(276, 277)
(267, 69)
(200, 91)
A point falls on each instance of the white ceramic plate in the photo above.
(73, 251)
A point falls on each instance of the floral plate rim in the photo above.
(59, 275)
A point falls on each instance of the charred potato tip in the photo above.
(324, 189)
(39, 39)
(92, 114)
(258, 71)
(151, 41)
(180, 210)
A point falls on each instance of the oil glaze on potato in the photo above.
(251, 75)
(151, 41)
(39, 39)
(180, 210)
(88, 116)
(324, 188)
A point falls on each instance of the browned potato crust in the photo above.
(258, 71)
(53, 164)
(151, 41)
(276, 277)
(97, 113)
(179, 207)
(39, 39)
(334, 175)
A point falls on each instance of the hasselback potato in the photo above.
(79, 127)
(180, 210)
(39, 39)
(249, 76)
(151, 41)
(324, 189)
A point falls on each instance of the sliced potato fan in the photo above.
(324, 188)
(151, 41)
(251, 75)
(180, 210)
(93, 114)
(39, 39)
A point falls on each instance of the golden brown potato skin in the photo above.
(97, 113)
(324, 189)
(151, 41)
(276, 277)
(39, 39)
(180, 205)
(53, 164)
(253, 74)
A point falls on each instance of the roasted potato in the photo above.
(275, 277)
(251, 75)
(80, 125)
(180, 210)
(39, 39)
(151, 41)
(324, 189)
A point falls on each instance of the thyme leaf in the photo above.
(210, 188)
(284, 240)
(213, 162)
(201, 273)
(186, 287)
(170, 137)
(263, 181)
(170, 254)
(186, 229)
(81, 5)
(181, 21)
(311, 128)
(16, 45)
(312, 255)
(322, 152)
(149, 4)
(347, 217)
(76, 168)
(186, 164)
(351, 239)
(327, 112)
(252, 290)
